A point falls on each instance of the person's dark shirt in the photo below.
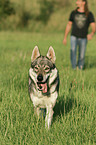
(80, 23)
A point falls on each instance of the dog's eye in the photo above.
(47, 69)
(36, 68)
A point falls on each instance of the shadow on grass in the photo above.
(63, 107)
(90, 62)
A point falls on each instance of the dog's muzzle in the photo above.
(42, 86)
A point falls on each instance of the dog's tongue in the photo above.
(44, 87)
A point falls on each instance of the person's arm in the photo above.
(67, 30)
(90, 36)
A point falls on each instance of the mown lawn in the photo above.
(74, 120)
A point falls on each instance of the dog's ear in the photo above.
(51, 54)
(35, 53)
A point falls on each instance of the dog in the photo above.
(43, 83)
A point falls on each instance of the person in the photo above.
(79, 21)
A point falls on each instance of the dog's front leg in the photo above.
(49, 115)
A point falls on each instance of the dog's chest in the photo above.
(43, 101)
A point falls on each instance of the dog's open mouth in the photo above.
(42, 86)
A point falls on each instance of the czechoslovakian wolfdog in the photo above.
(43, 83)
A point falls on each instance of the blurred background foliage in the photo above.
(37, 15)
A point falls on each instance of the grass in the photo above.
(74, 120)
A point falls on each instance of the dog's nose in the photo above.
(40, 77)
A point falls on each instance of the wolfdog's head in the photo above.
(43, 71)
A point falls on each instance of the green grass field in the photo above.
(74, 121)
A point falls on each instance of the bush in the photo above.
(46, 9)
(6, 8)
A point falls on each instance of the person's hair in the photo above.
(86, 9)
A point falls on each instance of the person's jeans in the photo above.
(81, 42)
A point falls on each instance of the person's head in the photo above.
(80, 3)
(83, 3)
